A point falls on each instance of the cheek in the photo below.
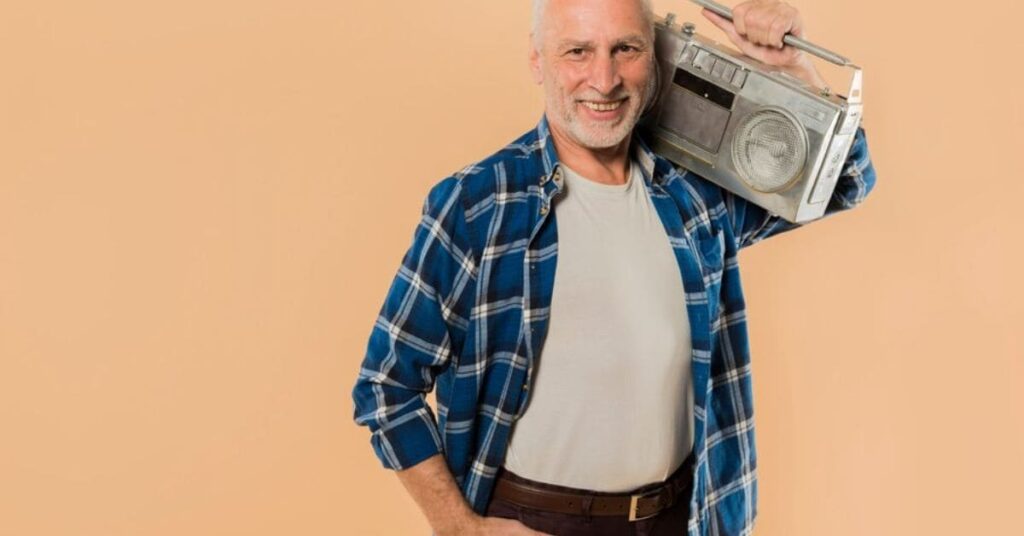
(638, 74)
(570, 77)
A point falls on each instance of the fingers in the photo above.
(762, 22)
(739, 17)
(759, 25)
(757, 22)
(731, 32)
(777, 30)
(798, 27)
(758, 28)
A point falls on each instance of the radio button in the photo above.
(739, 77)
(716, 71)
(724, 70)
(704, 61)
(687, 55)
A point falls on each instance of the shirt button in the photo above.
(526, 387)
(543, 209)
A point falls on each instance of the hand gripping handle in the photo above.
(806, 46)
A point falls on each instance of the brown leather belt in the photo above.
(644, 502)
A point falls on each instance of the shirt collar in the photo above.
(656, 170)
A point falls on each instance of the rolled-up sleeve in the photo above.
(751, 223)
(417, 332)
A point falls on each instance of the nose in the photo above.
(604, 74)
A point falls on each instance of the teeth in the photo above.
(603, 107)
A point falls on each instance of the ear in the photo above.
(536, 63)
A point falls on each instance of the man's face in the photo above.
(595, 60)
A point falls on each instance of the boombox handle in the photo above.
(855, 84)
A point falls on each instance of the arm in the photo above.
(416, 333)
(431, 485)
(415, 336)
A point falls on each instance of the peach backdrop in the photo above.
(203, 203)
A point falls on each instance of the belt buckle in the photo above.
(634, 501)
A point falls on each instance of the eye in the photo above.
(575, 51)
(627, 48)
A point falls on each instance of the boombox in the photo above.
(749, 127)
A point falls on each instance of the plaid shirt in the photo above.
(468, 309)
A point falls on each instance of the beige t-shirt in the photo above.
(611, 405)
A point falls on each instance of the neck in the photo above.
(608, 165)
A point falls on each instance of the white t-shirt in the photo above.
(611, 405)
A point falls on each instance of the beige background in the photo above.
(203, 203)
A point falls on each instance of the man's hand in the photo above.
(432, 486)
(757, 29)
(497, 526)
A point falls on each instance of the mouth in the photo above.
(603, 106)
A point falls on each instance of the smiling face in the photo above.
(596, 61)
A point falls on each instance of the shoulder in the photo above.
(510, 170)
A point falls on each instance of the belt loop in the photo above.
(587, 502)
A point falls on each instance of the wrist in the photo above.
(465, 524)
(805, 70)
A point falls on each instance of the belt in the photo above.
(644, 502)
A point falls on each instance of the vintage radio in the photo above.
(749, 127)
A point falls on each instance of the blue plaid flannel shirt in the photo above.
(467, 312)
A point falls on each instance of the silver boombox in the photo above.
(749, 127)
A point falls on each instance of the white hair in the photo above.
(537, 21)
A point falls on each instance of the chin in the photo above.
(602, 140)
(601, 145)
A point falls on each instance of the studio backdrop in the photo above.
(203, 203)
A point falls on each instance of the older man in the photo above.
(612, 395)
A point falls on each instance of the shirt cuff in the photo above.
(407, 440)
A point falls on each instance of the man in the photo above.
(612, 395)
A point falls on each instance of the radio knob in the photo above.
(670, 19)
(688, 28)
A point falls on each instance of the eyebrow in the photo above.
(632, 39)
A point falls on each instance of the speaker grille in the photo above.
(769, 150)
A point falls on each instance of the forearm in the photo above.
(431, 485)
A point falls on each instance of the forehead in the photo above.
(593, 20)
